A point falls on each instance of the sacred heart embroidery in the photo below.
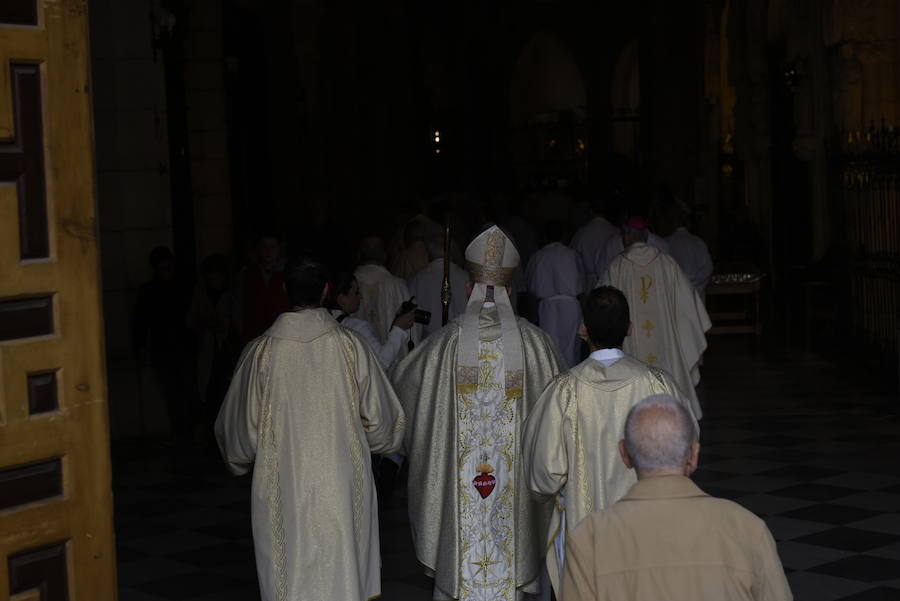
(484, 483)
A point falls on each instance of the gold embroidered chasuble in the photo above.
(570, 446)
(308, 401)
(668, 318)
(476, 528)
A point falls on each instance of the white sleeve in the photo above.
(386, 352)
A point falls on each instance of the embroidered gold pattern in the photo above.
(496, 246)
(646, 284)
(487, 434)
(356, 452)
(648, 327)
(273, 481)
(495, 276)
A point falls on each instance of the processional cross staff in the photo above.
(445, 284)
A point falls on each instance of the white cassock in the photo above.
(692, 255)
(614, 246)
(425, 285)
(382, 294)
(307, 404)
(588, 241)
(570, 445)
(555, 276)
(388, 351)
(668, 318)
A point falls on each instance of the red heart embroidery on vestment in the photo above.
(484, 484)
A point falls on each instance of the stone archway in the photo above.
(545, 80)
(548, 114)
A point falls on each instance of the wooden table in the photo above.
(745, 321)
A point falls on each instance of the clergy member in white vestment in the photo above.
(667, 314)
(467, 390)
(555, 276)
(407, 248)
(344, 301)
(308, 402)
(589, 240)
(382, 292)
(689, 251)
(572, 436)
(425, 285)
(614, 247)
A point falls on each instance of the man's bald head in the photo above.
(660, 437)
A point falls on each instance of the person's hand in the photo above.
(405, 321)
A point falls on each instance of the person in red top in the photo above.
(263, 297)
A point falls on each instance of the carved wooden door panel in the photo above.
(56, 539)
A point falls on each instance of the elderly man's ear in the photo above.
(693, 461)
(626, 458)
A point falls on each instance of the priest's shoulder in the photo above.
(437, 343)
(661, 376)
(255, 353)
(528, 328)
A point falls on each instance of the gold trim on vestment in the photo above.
(494, 276)
(495, 248)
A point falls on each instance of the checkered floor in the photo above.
(807, 445)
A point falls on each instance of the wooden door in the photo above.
(56, 539)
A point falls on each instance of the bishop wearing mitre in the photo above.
(668, 317)
(467, 390)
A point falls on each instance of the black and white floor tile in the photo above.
(803, 443)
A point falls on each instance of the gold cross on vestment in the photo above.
(651, 358)
(646, 284)
(648, 326)
(484, 565)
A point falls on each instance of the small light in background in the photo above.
(437, 141)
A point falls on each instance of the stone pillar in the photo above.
(134, 204)
(204, 65)
(748, 37)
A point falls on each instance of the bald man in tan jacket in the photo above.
(666, 538)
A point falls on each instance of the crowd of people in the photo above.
(547, 458)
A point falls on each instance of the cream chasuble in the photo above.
(570, 446)
(308, 401)
(668, 318)
(475, 527)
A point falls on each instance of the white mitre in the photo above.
(491, 259)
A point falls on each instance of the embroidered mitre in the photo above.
(491, 260)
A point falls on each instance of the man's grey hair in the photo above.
(661, 441)
(638, 234)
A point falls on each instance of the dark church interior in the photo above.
(203, 126)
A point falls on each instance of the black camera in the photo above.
(421, 315)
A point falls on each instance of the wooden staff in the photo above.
(445, 285)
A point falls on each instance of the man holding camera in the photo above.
(467, 389)
(381, 291)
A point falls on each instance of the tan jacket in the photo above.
(667, 539)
